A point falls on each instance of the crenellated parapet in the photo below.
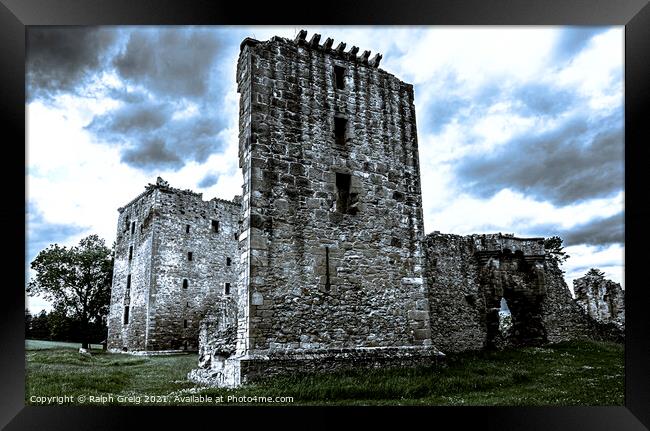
(327, 47)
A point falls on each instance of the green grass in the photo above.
(575, 373)
(45, 344)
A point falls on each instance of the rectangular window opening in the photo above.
(189, 255)
(343, 186)
(339, 77)
(227, 289)
(340, 125)
(187, 228)
(130, 253)
(128, 282)
(132, 228)
(215, 226)
(185, 323)
(185, 283)
(126, 315)
(228, 261)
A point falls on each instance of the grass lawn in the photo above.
(575, 373)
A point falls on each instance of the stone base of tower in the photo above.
(252, 368)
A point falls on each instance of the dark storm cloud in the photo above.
(595, 232)
(150, 138)
(602, 231)
(131, 118)
(151, 154)
(169, 62)
(209, 180)
(580, 159)
(162, 73)
(64, 59)
(572, 40)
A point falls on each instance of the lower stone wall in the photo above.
(218, 332)
(468, 276)
(456, 300)
(254, 369)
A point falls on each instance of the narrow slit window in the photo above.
(185, 283)
(340, 124)
(128, 282)
(189, 255)
(185, 323)
(130, 253)
(343, 188)
(339, 77)
(228, 261)
(187, 228)
(227, 289)
(126, 315)
(132, 228)
(215, 226)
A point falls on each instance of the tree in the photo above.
(595, 272)
(77, 280)
(28, 322)
(39, 328)
(554, 246)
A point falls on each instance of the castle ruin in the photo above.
(329, 265)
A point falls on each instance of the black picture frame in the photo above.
(16, 15)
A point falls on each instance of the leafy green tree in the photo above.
(554, 246)
(76, 280)
(595, 272)
(28, 322)
(40, 328)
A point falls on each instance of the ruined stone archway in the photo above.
(520, 281)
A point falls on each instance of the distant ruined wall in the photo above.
(468, 276)
(602, 299)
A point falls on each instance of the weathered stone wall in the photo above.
(333, 226)
(468, 276)
(134, 238)
(252, 369)
(602, 299)
(458, 320)
(170, 293)
(218, 332)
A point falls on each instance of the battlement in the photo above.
(327, 47)
(165, 187)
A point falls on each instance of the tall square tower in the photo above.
(331, 244)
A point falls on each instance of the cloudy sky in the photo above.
(520, 128)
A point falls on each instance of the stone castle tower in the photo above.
(332, 236)
(332, 252)
(323, 261)
(175, 256)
